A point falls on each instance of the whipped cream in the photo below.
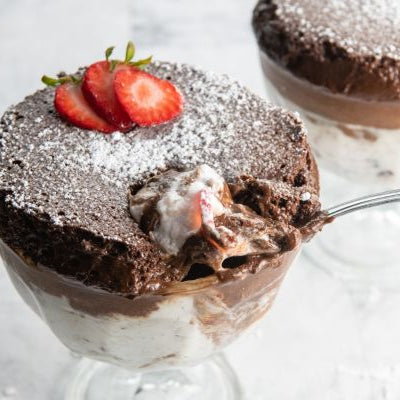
(182, 330)
(178, 205)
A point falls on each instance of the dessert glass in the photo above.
(164, 345)
(356, 143)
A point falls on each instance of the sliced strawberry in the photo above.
(72, 106)
(202, 216)
(207, 213)
(98, 90)
(194, 213)
(147, 99)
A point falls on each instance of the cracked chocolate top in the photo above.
(349, 46)
(64, 190)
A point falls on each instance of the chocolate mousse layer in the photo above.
(350, 47)
(64, 191)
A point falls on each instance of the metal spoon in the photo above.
(372, 200)
(327, 216)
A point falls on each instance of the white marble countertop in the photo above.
(321, 340)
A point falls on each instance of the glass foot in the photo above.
(211, 380)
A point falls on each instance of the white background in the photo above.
(321, 340)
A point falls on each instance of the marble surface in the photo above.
(325, 337)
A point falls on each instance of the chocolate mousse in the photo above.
(64, 191)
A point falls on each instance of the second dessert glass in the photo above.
(165, 345)
(357, 144)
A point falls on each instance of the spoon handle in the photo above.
(391, 196)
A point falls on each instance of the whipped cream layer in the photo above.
(176, 328)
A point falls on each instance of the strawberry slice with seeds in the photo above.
(147, 99)
(72, 105)
(98, 89)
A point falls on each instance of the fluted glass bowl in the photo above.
(179, 327)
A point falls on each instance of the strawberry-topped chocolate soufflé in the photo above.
(141, 197)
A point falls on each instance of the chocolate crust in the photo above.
(63, 190)
(349, 47)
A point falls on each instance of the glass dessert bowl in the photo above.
(130, 246)
(344, 84)
(179, 327)
(233, 263)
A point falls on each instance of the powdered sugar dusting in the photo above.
(74, 176)
(367, 27)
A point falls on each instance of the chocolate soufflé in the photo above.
(350, 47)
(337, 62)
(64, 190)
(105, 286)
